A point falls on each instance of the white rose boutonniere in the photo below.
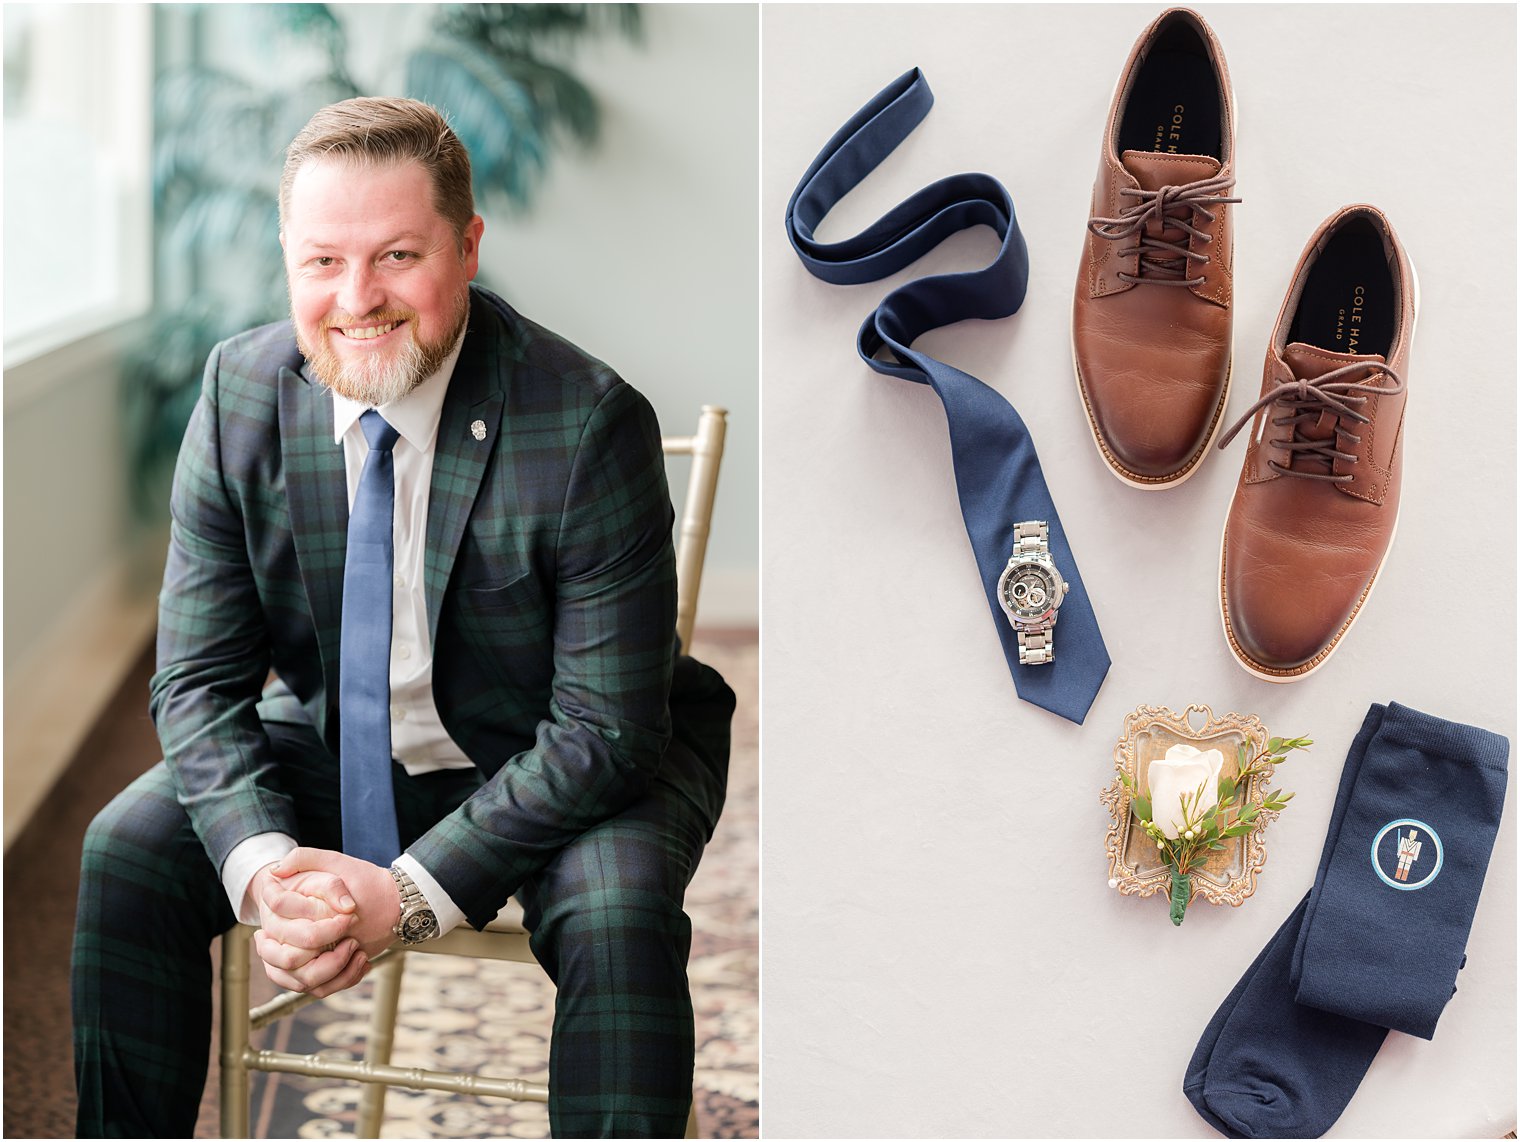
(1184, 785)
(1192, 809)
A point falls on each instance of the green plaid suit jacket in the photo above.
(550, 587)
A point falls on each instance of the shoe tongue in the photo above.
(1155, 169)
(1309, 362)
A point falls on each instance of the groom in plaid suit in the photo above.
(547, 739)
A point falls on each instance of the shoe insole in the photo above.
(1348, 303)
(1174, 104)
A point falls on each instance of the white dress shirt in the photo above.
(418, 740)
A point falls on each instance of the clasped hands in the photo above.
(323, 916)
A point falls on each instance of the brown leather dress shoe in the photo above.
(1151, 320)
(1318, 498)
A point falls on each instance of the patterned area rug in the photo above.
(494, 1018)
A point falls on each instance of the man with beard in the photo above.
(416, 655)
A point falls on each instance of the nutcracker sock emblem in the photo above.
(1407, 854)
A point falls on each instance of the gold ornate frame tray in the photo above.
(1135, 866)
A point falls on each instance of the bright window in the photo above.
(78, 133)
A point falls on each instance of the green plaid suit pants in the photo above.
(605, 915)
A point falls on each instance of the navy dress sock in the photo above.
(1267, 1067)
(1396, 899)
(1283, 945)
(1378, 941)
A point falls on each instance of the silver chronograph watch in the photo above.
(1031, 590)
(417, 921)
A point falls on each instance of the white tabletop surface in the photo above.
(942, 955)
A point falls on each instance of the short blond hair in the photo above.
(382, 132)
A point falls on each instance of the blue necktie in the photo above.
(364, 688)
(997, 473)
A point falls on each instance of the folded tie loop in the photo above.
(997, 471)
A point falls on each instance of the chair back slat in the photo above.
(706, 452)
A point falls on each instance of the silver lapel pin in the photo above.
(478, 429)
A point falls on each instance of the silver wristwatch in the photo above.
(417, 921)
(1031, 590)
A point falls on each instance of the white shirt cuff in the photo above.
(444, 909)
(246, 858)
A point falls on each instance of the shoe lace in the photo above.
(1164, 262)
(1304, 402)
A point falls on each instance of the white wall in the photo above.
(65, 509)
(80, 580)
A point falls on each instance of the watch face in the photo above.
(1029, 590)
(419, 925)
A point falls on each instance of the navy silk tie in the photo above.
(364, 688)
(997, 473)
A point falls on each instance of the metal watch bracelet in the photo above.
(416, 921)
(1036, 648)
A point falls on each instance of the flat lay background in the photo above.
(941, 953)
